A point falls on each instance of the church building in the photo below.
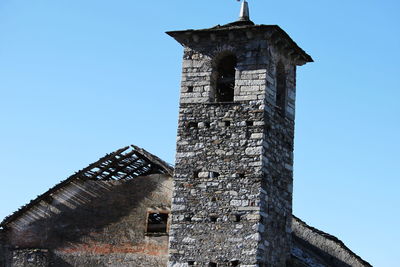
(228, 199)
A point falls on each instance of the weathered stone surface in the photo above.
(30, 258)
(310, 247)
(109, 260)
(98, 223)
(228, 153)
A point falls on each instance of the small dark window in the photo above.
(190, 263)
(213, 199)
(237, 218)
(192, 124)
(240, 175)
(213, 218)
(207, 124)
(224, 75)
(213, 175)
(196, 174)
(227, 123)
(249, 123)
(189, 89)
(157, 223)
(212, 264)
(235, 263)
(281, 88)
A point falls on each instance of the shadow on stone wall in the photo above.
(102, 213)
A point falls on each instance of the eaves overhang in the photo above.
(273, 33)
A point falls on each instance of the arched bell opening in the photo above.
(223, 77)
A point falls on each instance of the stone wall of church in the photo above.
(233, 171)
(29, 258)
(94, 223)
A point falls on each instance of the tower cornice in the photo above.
(273, 33)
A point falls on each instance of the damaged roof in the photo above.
(310, 246)
(123, 164)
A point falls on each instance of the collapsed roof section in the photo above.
(124, 164)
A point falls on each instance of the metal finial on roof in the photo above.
(244, 12)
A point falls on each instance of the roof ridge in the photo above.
(330, 237)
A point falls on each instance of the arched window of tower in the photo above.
(224, 77)
(281, 90)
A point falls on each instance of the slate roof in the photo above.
(316, 248)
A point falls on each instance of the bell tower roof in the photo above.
(244, 27)
(272, 33)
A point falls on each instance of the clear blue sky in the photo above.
(79, 79)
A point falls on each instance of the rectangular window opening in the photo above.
(235, 263)
(212, 264)
(237, 217)
(188, 217)
(213, 218)
(213, 175)
(249, 123)
(157, 223)
(192, 124)
(190, 89)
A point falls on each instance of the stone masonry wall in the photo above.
(30, 258)
(277, 187)
(233, 171)
(216, 214)
(96, 223)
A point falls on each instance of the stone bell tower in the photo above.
(232, 204)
